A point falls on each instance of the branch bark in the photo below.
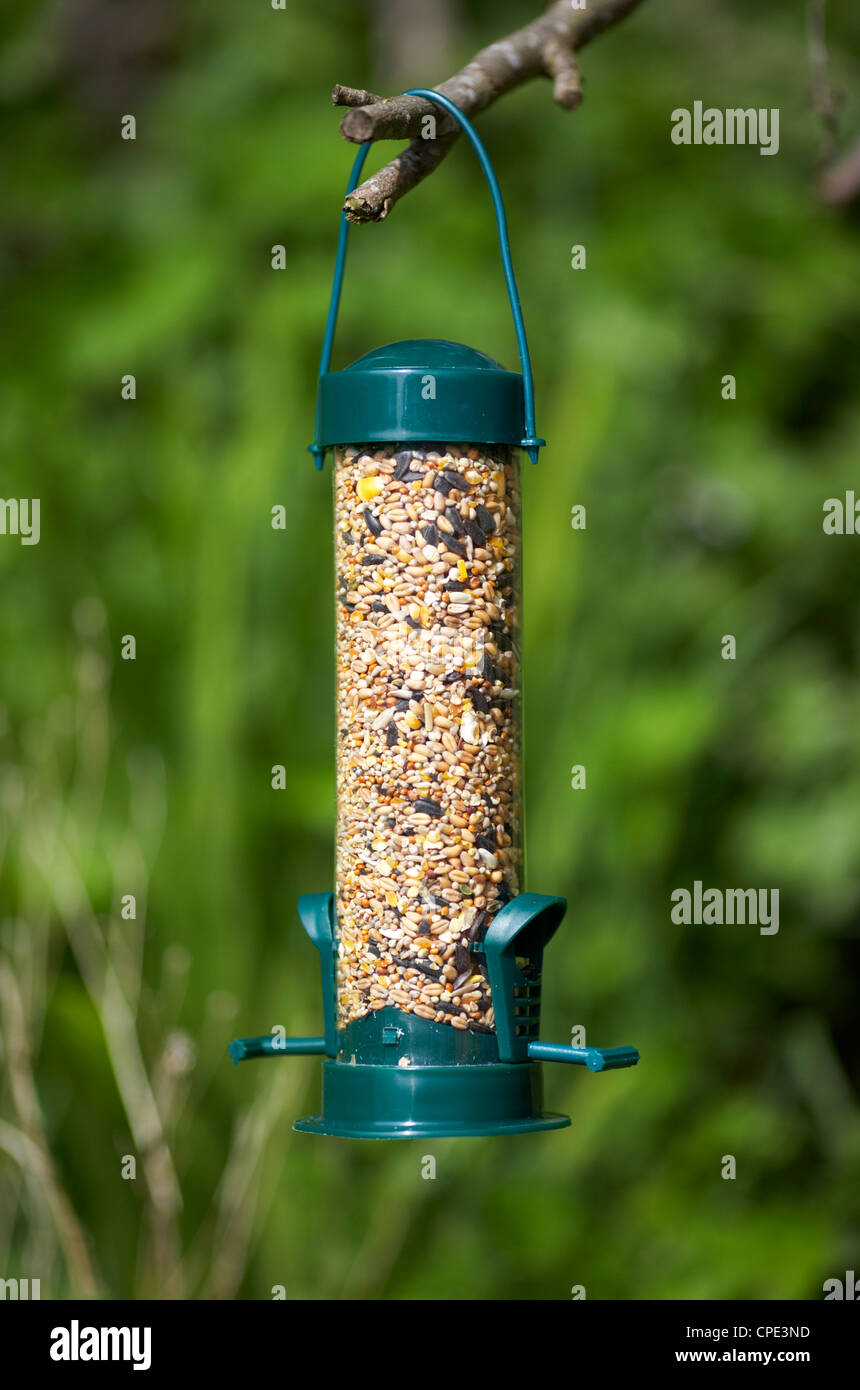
(840, 184)
(823, 99)
(544, 48)
(353, 96)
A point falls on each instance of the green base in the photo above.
(430, 1102)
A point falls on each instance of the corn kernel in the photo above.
(368, 488)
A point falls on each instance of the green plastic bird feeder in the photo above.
(430, 950)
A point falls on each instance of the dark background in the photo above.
(152, 777)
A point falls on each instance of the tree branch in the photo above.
(840, 184)
(544, 48)
(373, 200)
(564, 69)
(822, 93)
(353, 96)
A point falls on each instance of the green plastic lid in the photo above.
(422, 389)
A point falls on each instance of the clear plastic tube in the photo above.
(429, 795)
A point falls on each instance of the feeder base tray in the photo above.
(391, 1102)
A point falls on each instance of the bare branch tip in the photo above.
(360, 211)
(357, 125)
(568, 97)
(562, 67)
(353, 96)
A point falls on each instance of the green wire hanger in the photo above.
(530, 441)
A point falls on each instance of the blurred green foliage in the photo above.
(153, 777)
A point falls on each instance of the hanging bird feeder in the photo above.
(430, 950)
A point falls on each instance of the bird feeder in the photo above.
(430, 949)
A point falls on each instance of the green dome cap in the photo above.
(422, 389)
